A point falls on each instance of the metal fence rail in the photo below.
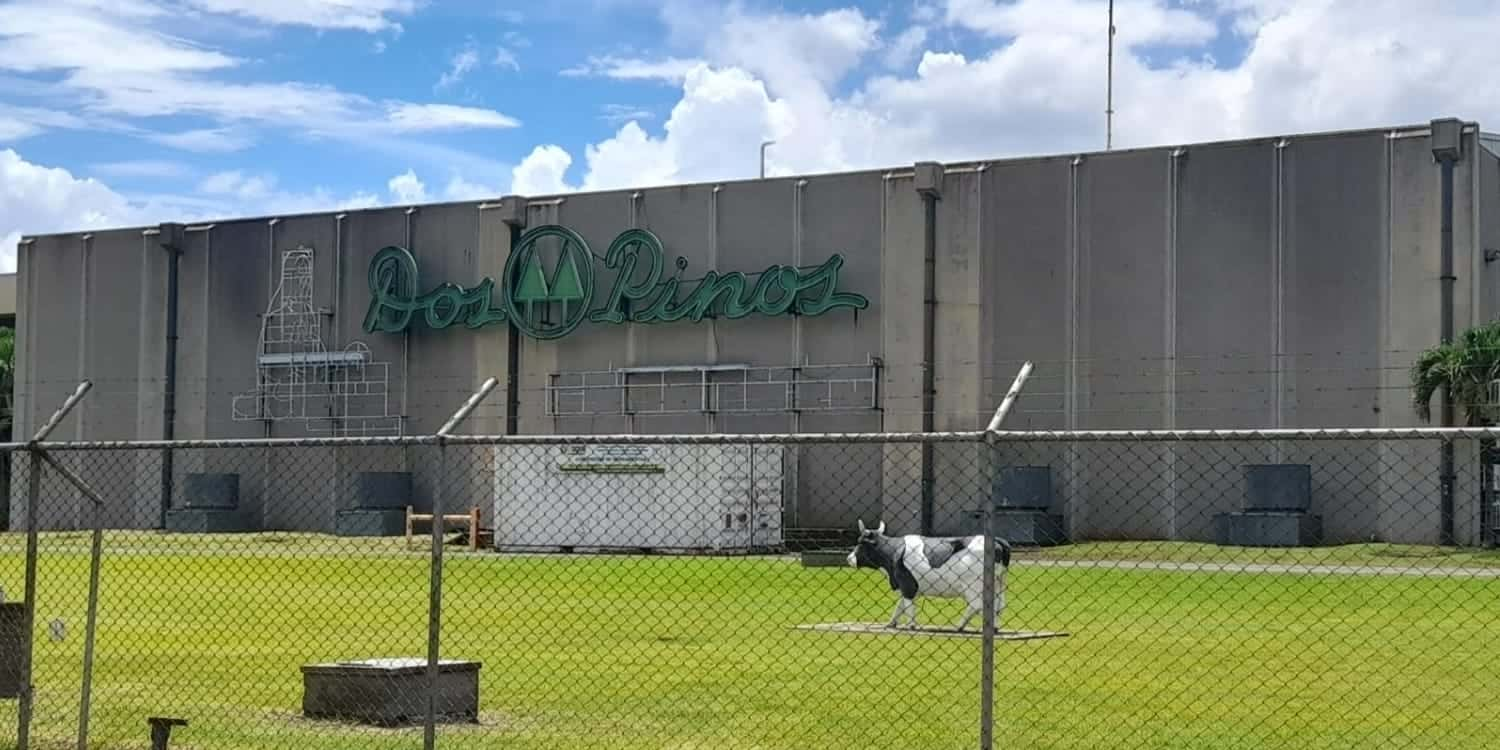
(1226, 589)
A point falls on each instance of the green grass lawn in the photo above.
(677, 652)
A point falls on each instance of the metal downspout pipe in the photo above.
(1447, 135)
(170, 240)
(929, 184)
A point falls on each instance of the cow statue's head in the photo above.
(866, 552)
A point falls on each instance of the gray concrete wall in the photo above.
(1263, 283)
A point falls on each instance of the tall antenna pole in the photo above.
(1109, 95)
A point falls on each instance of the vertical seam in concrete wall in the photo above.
(1289, 301)
(1070, 376)
(146, 295)
(80, 431)
(1476, 244)
(1278, 294)
(632, 330)
(1387, 275)
(1388, 254)
(406, 338)
(712, 329)
(26, 271)
(207, 313)
(979, 418)
(338, 279)
(798, 355)
(1169, 337)
(1169, 332)
(885, 231)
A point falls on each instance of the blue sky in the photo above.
(132, 111)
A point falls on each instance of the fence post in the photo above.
(987, 513)
(96, 554)
(435, 590)
(28, 616)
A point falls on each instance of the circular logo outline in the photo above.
(574, 246)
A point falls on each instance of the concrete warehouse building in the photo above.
(1305, 270)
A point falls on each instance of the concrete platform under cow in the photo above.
(871, 628)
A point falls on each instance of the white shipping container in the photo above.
(719, 497)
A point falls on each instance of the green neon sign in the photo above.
(640, 292)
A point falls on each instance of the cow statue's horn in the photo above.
(861, 522)
(881, 529)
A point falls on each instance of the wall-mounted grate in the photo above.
(715, 389)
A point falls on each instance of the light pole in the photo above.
(763, 145)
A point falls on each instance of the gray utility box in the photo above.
(381, 490)
(376, 506)
(1023, 506)
(1030, 528)
(12, 643)
(210, 492)
(206, 522)
(208, 504)
(1268, 529)
(1278, 487)
(1023, 488)
(369, 522)
(390, 692)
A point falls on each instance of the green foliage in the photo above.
(1465, 368)
(7, 379)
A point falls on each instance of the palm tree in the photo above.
(7, 401)
(1464, 370)
(7, 379)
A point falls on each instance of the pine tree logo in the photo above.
(547, 306)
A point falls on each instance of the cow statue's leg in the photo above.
(999, 598)
(896, 613)
(970, 610)
(975, 603)
(904, 605)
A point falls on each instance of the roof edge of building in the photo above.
(1397, 131)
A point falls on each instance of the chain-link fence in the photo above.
(1290, 589)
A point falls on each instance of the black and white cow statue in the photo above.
(942, 567)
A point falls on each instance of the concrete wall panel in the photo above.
(1026, 291)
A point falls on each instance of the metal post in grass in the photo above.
(435, 590)
(987, 513)
(96, 549)
(33, 503)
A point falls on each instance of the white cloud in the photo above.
(36, 199)
(111, 59)
(1137, 22)
(206, 140)
(413, 118)
(357, 15)
(906, 47)
(619, 114)
(459, 66)
(239, 185)
(505, 58)
(671, 69)
(18, 123)
(406, 188)
(67, 35)
(1038, 87)
(542, 172)
(150, 168)
(461, 189)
